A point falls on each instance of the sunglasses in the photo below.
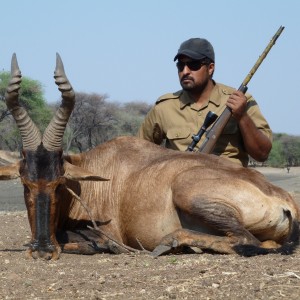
(193, 65)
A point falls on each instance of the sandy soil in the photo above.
(139, 276)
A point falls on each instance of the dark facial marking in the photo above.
(43, 164)
(42, 221)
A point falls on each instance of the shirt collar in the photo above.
(215, 97)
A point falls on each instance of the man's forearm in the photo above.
(257, 144)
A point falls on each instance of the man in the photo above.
(177, 116)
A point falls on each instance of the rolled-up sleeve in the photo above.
(259, 120)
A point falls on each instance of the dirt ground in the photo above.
(139, 276)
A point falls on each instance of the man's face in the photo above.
(193, 74)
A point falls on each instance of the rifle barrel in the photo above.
(263, 56)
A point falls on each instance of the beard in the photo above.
(191, 86)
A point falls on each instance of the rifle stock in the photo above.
(216, 130)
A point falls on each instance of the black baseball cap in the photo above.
(197, 49)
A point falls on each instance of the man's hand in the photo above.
(237, 102)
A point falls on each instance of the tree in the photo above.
(95, 120)
(276, 157)
(130, 117)
(4, 79)
(137, 108)
(285, 150)
(91, 122)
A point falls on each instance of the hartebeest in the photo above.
(153, 198)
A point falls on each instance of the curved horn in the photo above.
(52, 139)
(31, 136)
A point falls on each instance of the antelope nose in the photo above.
(42, 254)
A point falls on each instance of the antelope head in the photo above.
(43, 170)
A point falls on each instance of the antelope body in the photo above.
(141, 196)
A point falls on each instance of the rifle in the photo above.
(209, 119)
(214, 133)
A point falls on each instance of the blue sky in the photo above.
(125, 49)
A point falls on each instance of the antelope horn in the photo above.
(52, 138)
(31, 136)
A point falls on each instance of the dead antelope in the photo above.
(156, 199)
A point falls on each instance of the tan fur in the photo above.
(164, 199)
(152, 192)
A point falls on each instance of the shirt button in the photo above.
(199, 113)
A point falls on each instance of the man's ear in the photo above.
(211, 69)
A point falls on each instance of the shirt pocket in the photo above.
(178, 133)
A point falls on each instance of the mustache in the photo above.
(186, 77)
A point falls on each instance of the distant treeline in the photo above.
(96, 120)
(285, 151)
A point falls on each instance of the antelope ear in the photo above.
(77, 173)
(10, 172)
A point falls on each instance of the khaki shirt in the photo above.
(179, 118)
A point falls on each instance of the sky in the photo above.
(124, 49)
